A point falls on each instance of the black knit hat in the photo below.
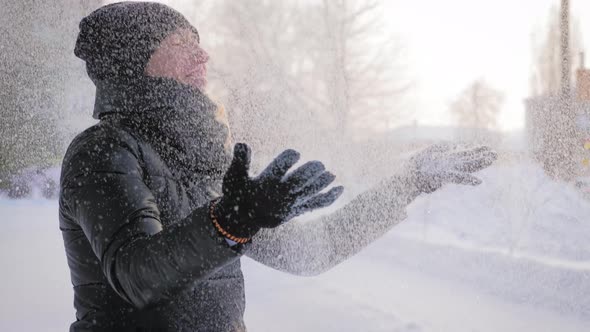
(117, 40)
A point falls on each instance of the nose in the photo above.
(201, 55)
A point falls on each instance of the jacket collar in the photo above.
(146, 94)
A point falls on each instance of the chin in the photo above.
(198, 83)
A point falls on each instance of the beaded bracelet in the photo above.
(240, 240)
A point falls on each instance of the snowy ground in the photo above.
(510, 255)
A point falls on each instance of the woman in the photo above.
(154, 211)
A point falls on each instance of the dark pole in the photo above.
(565, 49)
(566, 135)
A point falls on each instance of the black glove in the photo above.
(272, 198)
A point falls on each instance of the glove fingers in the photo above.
(280, 165)
(316, 185)
(240, 164)
(318, 201)
(304, 174)
(475, 164)
(437, 148)
(472, 152)
(463, 179)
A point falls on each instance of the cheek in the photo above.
(173, 65)
(189, 63)
(181, 65)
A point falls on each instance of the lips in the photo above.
(199, 71)
(198, 76)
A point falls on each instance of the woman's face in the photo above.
(180, 57)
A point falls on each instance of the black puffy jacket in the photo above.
(141, 248)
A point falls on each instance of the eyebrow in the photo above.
(185, 40)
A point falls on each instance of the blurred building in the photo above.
(558, 129)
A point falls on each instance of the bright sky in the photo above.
(454, 42)
(450, 43)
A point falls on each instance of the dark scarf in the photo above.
(181, 123)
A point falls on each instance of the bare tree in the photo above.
(362, 68)
(478, 106)
(547, 58)
(291, 71)
(253, 48)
